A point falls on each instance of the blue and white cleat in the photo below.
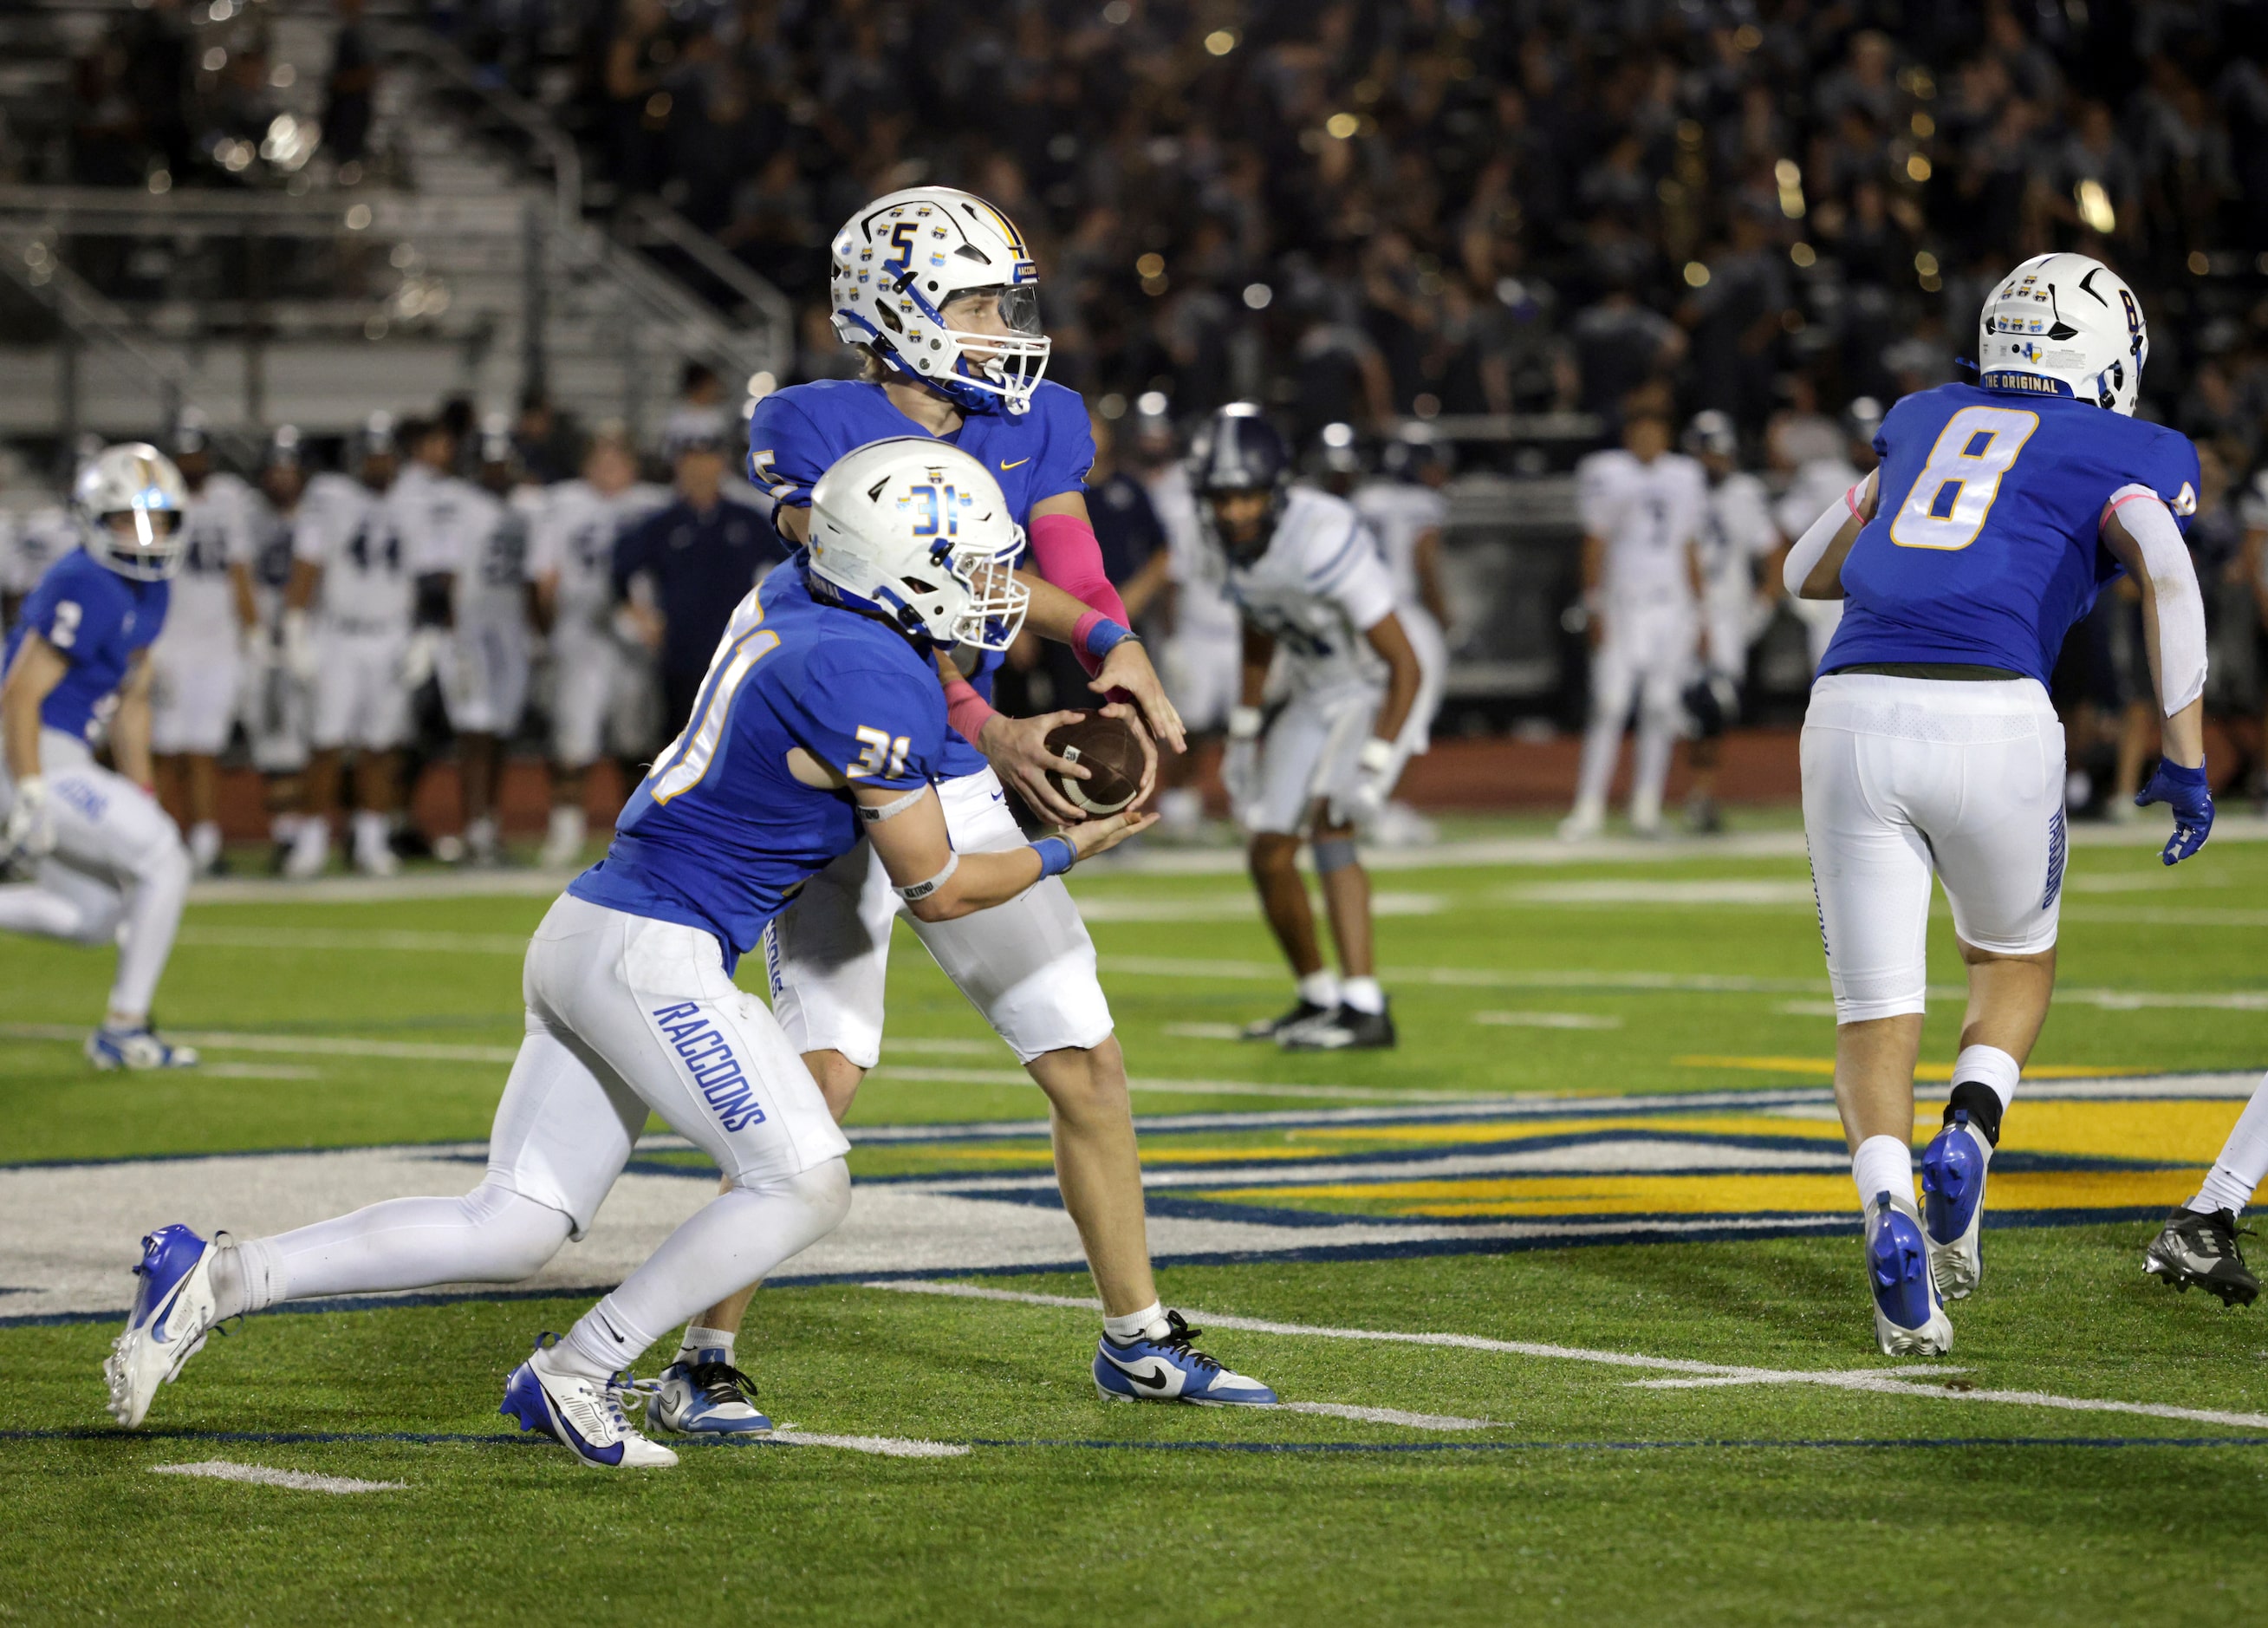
(1171, 1370)
(172, 1312)
(1910, 1319)
(1953, 1206)
(136, 1048)
(584, 1418)
(708, 1397)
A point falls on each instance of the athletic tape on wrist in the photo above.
(919, 891)
(896, 806)
(1377, 755)
(1105, 636)
(1243, 723)
(1056, 855)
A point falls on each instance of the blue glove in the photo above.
(2184, 791)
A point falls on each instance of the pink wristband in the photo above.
(967, 710)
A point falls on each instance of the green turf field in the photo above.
(1614, 1427)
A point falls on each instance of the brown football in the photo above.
(1110, 749)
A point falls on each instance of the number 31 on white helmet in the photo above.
(2065, 325)
(913, 269)
(916, 532)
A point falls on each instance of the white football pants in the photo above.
(625, 1014)
(1908, 777)
(118, 873)
(1647, 656)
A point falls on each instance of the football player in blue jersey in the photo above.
(110, 867)
(1997, 512)
(820, 720)
(937, 290)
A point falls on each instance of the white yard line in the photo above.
(260, 1475)
(1546, 1020)
(1186, 1088)
(1388, 1415)
(1901, 1382)
(881, 1446)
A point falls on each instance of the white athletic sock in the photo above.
(734, 1240)
(154, 898)
(2244, 1160)
(1320, 989)
(370, 832)
(699, 1342)
(1988, 1065)
(1650, 768)
(1149, 1323)
(246, 1277)
(283, 827)
(1882, 1164)
(1364, 995)
(1603, 743)
(204, 843)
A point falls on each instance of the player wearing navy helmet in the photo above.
(109, 866)
(1997, 512)
(1318, 607)
(819, 721)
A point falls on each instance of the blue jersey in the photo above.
(797, 433)
(98, 620)
(721, 834)
(1986, 545)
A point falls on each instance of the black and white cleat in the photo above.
(2200, 1247)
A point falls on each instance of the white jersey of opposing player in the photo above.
(217, 525)
(1736, 532)
(355, 534)
(36, 540)
(440, 517)
(1821, 482)
(1317, 590)
(1647, 514)
(1398, 513)
(1202, 611)
(492, 553)
(574, 536)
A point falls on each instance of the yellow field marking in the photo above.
(1824, 1068)
(1825, 1193)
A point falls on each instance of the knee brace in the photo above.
(1334, 853)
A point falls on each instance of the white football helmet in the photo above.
(135, 479)
(902, 258)
(2065, 325)
(916, 531)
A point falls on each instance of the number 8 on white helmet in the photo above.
(2065, 325)
(916, 532)
(909, 272)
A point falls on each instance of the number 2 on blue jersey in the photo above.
(1946, 505)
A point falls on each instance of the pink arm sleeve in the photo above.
(1064, 548)
(967, 710)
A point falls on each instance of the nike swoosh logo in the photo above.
(610, 1329)
(1018, 464)
(1140, 1376)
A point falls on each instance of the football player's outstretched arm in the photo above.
(1813, 567)
(129, 725)
(908, 831)
(2140, 533)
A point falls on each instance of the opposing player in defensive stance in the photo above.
(937, 290)
(1641, 508)
(1305, 575)
(1997, 512)
(111, 866)
(819, 720)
